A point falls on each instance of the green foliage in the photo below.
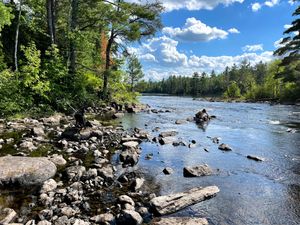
(33, 78)
(5, 15)
(12, 101)
(233, 91)
(134, 71)
(290, 44)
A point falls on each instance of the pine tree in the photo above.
(134, 71)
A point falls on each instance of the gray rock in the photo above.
(179, 221)
(49, 185)
(123, 199)
(44, 222)
(107, 173)
(62, 221)
(129, 217)
(58, 160)
(167, 140)
(75, 172)
(28, 145)
(68, 211)
(168, 134)
(130, 144)
(225, 147)
(38, 131)
(172, 203)
(81, 222)
(105, 219)
(7, 215)
(25, 170)
(129, 157)
(137, 184)
(168, 171)
(118, 115)
(197, 171)
(143, 211)
(53, 120)
(178, 122)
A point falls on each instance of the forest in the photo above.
(59, 55)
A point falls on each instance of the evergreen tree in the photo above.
(134, 71)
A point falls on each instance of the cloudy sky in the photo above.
(202, 35)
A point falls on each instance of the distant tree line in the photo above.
(263, 81)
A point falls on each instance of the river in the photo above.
(251, 192)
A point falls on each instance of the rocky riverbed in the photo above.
(53, 172)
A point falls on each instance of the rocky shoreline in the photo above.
(73, 179)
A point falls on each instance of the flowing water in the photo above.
(251, 192)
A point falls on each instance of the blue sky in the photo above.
(201, 35)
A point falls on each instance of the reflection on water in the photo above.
(251, 192)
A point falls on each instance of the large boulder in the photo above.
(179, 221)
(197, 171)
(25, 170)
(164, 205)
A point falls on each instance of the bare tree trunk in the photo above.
(74, 17)
(132, 83)
(107, 66)
(51, 19)
(17, 36)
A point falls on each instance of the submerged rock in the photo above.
(168, 171)
(197, 171)
(225, 147)
(168, 134)
(25, 170)
(172, 203)
(178, 122)
(179, 221)
(256, 158)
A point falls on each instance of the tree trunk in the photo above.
(51, 19)
(107, 66)
(17, 36)
(132, 83)
(74, 17)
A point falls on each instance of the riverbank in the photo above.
(53, 172)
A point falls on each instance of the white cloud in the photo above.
(287, 26)
(164, 50)
(234, 31)
(256, 6)
(253, 48)
(171, 5)
(161, 58)
(277, 43)
(195, 31)
(292, 2)
(272, 3)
